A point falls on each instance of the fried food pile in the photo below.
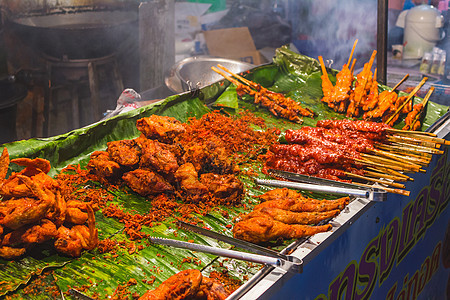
(160, 160)
(188, 284)
(286, 214)
(33, 211)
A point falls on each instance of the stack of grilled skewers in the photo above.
(360, 96)
(346, 150)
(278, 104)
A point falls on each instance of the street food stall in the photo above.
(288, 179)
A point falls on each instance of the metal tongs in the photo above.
(315, 184)
(263, 255)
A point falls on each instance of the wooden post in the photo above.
(156, 41)
(382, 32)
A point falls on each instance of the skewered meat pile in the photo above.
(278, 104)
(33, 211)
(188, 284)
(344, 149)
(360, 96)
(160, 161)
(286, 214)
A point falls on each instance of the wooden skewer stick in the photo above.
(389, 171)
(420, 139)
(390, 162)
(351, 53)
(352, 67)
(402, 158)
(406, 143)
(322, 65)
(404, 149)
(232, 80)
(383, 175)
(417, 148)
(244, 80)
(389, 190)
(409, 132)
(424, 106)
(400, 82)
(371, 163)
(394, 184)
(416, 89)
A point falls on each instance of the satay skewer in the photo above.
(230, 79)
(351, 53)
(389, 190)
(405, 159)
(383, 175)
(394, 184)
(244, 80)
(390, 171)
(422, 107)
(412, 94)
(410, 132)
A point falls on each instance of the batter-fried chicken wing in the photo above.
(263, 229)
(124, 152)
(146, 182)
(187, 176)
(164, 129)
(155, 156)
(289, 217)
(183, 285)
(101, 165)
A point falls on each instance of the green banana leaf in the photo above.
(100, 274)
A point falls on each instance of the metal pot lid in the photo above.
(195, 72)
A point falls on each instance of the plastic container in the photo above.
(422, 26)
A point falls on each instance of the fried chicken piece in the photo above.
(57, 213)
(263, 229)
(146, 182)
(309, 205)
(211, 289)
(187, 176)
(72, 241)
(4, 164)
(223, 186)
(289, 217)
(155, 156)
(161, 128)
(11, 252)
(101, 165)
(27, 235)
(183, 285)
(15, 213)
(279, 194)
(33, 164)
(124, 152)
(209, 157)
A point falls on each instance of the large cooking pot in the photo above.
(76, 34)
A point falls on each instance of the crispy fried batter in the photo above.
(187, 176)
(223, 186)
(289, 217)
(4, 164)
(101, 165)
(146, 182)
(183, 285)
(309, 205)
(263, 229)
(124, 152)
(155, 156)
(162, 128)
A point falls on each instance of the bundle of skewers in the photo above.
(359, 96)
(277, 103)
(346, 150)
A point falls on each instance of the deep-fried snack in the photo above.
(310, 205)
(4, 164)
(101, 165)
(187, 176)
(263, 229)
(124, 152)
(146, 182)
(211, 289)
(155, 156)
(279, 194)
(289, 217)
(16, 213)
(11, 252)
(223, 186)
(183, 285)
(161, 128)
(32, 234)
(32, 164)
(72, 241)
